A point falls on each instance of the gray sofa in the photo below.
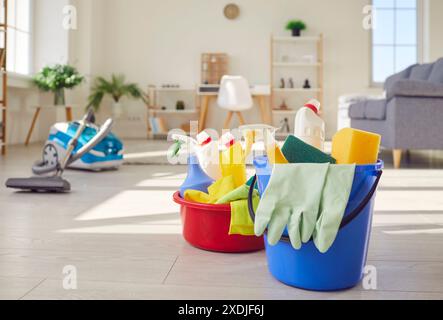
(411, 116)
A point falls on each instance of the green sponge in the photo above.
(297, 151)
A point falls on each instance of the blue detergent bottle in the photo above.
(196, 179)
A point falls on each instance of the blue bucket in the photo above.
(342, 266)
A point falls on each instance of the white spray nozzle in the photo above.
(258, 127)
(184, 139)
(228, 140)
(203, 138)
(262, 132)
(188, 141)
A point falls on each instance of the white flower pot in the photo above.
(117, 110)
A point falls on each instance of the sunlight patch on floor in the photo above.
(148, 154)
(406, 219)
(126, 229)
(132, 203)
(412, 232)
(404, 200)
(176, 183)
(162, 174)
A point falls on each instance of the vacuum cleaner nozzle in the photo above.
(40, 184)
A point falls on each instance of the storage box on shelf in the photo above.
(213, 67)
(293, 57)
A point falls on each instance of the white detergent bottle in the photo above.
(209, 155)
(309, 127)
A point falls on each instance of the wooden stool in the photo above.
(68, 112)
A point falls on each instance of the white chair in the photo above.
(234, 96)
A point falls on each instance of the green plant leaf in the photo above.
(53, 78)
(295, 24)
(116, 87)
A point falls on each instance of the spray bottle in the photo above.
(232, 160)
(266, 134)
(196, 179)
(209, 155)
(309, 127)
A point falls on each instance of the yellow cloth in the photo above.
(241, 222)
(216, 191)
(197, 196)
(223, 191)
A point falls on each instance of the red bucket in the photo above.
(206, 226)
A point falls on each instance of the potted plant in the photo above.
(56, 79)
(117, 88)
(180, 105)
(296, 26)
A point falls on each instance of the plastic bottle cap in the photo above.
(203, 138)
(228, 140)
(314, 105)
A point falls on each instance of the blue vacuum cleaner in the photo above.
(106, 155)
(78, 144)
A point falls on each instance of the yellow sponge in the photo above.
(351, 146)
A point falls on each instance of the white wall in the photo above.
(161, 41)
(435, 29)
(50, 38)
(154, 41)
(50, 46)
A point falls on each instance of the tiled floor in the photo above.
(122, 232)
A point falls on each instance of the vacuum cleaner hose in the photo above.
(40, 168)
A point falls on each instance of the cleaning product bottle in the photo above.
(232, 160)
(209, 155)
(266, 134)
(309, 127)
(250, 138)
(196, 179)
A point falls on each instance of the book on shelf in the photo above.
(162, 125)
(158, 125)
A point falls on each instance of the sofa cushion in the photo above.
(390, 81)
(375, 109)
(421, 72)
(370, 110)
(436, 75)
(357, 110)
(416, 88)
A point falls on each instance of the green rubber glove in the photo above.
(333, 204)
(291, 199)
(241, 193)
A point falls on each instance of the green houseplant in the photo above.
(296, 26)
(56, 79)
(117, 88)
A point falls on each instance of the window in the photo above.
(19, 36)
(395, 44)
